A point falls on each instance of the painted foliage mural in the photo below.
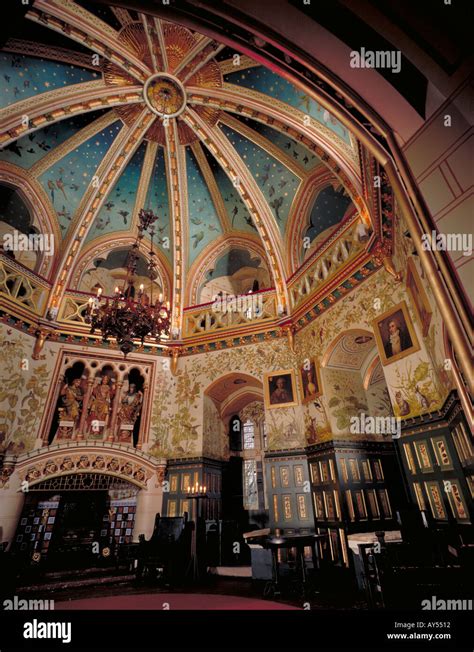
(412, 379)
(24, 385)
(178, 423)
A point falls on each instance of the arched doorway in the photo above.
(354, 383)
(236, 401)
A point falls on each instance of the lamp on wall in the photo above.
(131, 315)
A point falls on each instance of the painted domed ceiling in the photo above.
(105, 111)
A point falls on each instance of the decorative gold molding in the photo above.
(122, 15)
(53, 106)
(150, 33)
(227, 67)
(54, 53)
(176, 173)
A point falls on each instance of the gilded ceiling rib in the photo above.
(210, 180)
(230, 65)
(107, 174)
(176, 173)
(51, 52)
(73, 21)
(192, 55)
(122, 15)
(251, 194)
(161, 43)
(150, 32)
(76, 140)
(144, 183)
(200, 60)
(61, 103)
(278, 115)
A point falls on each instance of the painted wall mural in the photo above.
(117, 212)
(204, 225)
(434, 341)
(265, 81)
(27, 151)
(157, 201)
(22, 77)
(374, 297)
(67, 180)
(276, 182)
(178, 416)
(24, 385)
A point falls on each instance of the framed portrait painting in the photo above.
(394, 334)
(280, 389)
(419, 297)
(310, 381)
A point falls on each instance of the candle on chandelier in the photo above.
(116, 289)
(160, 298)
(189, 489)
(99, 291)
(142, 287)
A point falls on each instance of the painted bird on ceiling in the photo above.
(197, 238)
(277, 204)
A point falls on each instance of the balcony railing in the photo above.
(332, 258)
(22, 287)
(228, 312)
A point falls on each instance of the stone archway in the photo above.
(51, 465)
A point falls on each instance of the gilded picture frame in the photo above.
(280, 389)
(419, 297)
(395, 334)
(311, 387)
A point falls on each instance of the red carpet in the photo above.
(182, 601)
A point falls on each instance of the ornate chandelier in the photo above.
(130, 315)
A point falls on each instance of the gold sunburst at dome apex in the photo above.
(165, 95)
(179, 41)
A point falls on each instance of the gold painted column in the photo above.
(142, 422)
(113, 419)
